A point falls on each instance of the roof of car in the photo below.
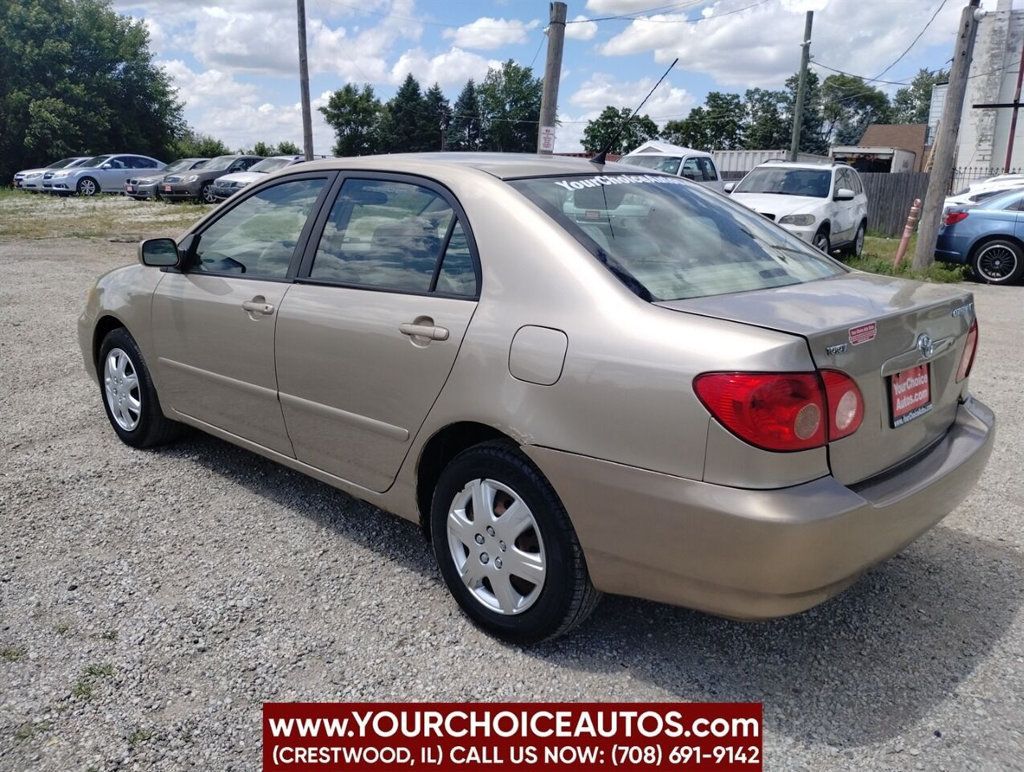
(505, 166)
(657, 147)
(805, 165)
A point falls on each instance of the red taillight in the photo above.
(952, 218)
(783, 411)
(845, 404)
(970, 349)
(774, 411)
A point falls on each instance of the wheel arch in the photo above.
(439, 450)
(106, 324)
(981, 241)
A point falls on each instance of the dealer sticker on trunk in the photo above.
(863, 333)
(910, 394)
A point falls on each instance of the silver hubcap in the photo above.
(121, 386)
(860, 242)
(208, 194)
(496, 546)
(88, 188)
(997, 263)
(822, 244)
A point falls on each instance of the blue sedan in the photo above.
(989, 237)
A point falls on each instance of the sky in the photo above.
(235, 62)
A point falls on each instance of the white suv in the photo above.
(822, 204)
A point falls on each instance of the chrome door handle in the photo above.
(428, 331)
(258, 305)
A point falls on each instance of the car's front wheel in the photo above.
(129, 396)
(821, 241)
(87, 186)
(506, 547)
(206, 194)
(999, 262)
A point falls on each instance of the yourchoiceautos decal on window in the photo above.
(620, 179)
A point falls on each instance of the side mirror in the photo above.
(159, 253)
(728, 187)
(844, 194)
(107, 166)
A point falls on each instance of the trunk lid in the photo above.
(869, 327)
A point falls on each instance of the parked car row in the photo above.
(207, 180)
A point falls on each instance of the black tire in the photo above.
(87, 186)
(856, 247)
(821, 241)
(567, 596)
(153, 427)
(998, 261)
(206, 194)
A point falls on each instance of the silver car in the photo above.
(577, 379)
(32, 179)
(102, 174)
(146, 185)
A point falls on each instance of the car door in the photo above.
(369, 333)
(842, 218)
(112, 173)
(214, 322)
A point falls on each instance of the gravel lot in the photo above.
(150, 601)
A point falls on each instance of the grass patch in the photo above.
(879, 253)
(30, 729)
(140, 735)
(61, 628)
(109, 635)
(13, 653)
(38, 216)
(85, 686)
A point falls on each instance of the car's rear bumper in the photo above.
(755, 554)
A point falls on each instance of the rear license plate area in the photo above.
(910, 395)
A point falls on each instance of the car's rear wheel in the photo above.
(821, 241)
(506, 547)
(206, 194)
(129, 397)
(999, 262)
(87, 186)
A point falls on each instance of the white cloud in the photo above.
(601, 90)
(451, 68)
(581, 29)
(759, 46)
(209, 88)
(486, 33)
(619, 6)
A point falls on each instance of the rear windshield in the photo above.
(1003, 200)
(815, 183)
(669, 239)
(661, 163)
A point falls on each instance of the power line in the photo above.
(698, 20)
(912, 42)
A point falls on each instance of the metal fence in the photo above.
(890, 197)
(966, 175)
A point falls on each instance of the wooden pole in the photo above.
(801, 88)
(307, 121)
(552, 76)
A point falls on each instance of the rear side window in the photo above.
(699, 169)
(257, 237)
(666, 239)
(396, 236)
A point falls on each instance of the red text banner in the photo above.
(359, 737)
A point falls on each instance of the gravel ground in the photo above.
(150, 601)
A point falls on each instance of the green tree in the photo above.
(404, 124)
(355, 115)
(813, 134)
(288, 148)
(766, 127)
(464, 130)
(76, 77)
(262, 148)
(912, 103)
(601, 132)
(717, 125)
(437, 115)
(849, 106)
(510, 107)
(195, 145)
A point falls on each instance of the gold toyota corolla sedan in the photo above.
(577, 378)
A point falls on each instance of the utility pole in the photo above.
(944, 149)
(552, 75)
(307, 121)
(798, 108)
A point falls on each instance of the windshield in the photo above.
(180, 165)
(660, 163)
(219, 163)
(60, 164)
(78, 162)
(667, 239)
(268, 165)
(815, 183)
(1003, 200)
(97, 161)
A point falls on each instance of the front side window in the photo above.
(257, 237)
(816, 183)
(99, 160)
(666, 239)
(389, 235)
